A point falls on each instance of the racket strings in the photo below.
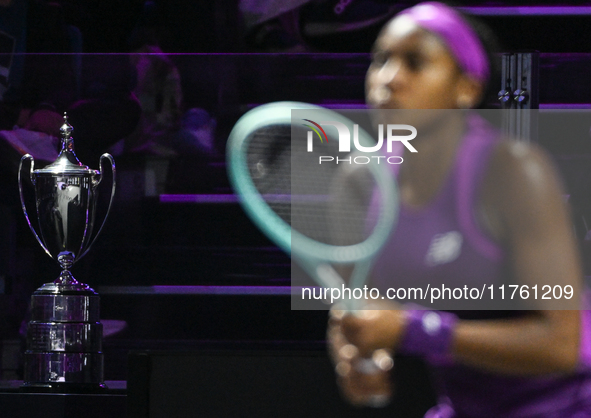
(269, 165)
(336, 204)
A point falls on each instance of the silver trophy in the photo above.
(64, 335)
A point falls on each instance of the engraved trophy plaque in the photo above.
(64, 334)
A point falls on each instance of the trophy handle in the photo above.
(22, 196)
(109, 157)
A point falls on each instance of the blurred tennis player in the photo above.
(496, 207)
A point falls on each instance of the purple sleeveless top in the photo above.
(442, 243)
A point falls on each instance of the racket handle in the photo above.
(380, 361)
(378, 401)
(367, 366)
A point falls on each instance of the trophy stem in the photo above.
(66, 260)
(66, 278)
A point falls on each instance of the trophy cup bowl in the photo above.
(64, 335)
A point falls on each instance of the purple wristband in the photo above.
(427, 333)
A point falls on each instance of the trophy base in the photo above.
(64, 387)
(59, 368)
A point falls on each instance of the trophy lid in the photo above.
(67, 162)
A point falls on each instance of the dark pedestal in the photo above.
(256, 383)
(14, 403)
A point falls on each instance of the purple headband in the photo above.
(457, 34)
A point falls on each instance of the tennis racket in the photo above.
(332, 217)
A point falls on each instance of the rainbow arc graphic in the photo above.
(316, 130)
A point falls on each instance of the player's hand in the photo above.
(364, 389)
(379, 327)
(357, 384)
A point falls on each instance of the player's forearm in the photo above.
(540, 343)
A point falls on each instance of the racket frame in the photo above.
(313, 256)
